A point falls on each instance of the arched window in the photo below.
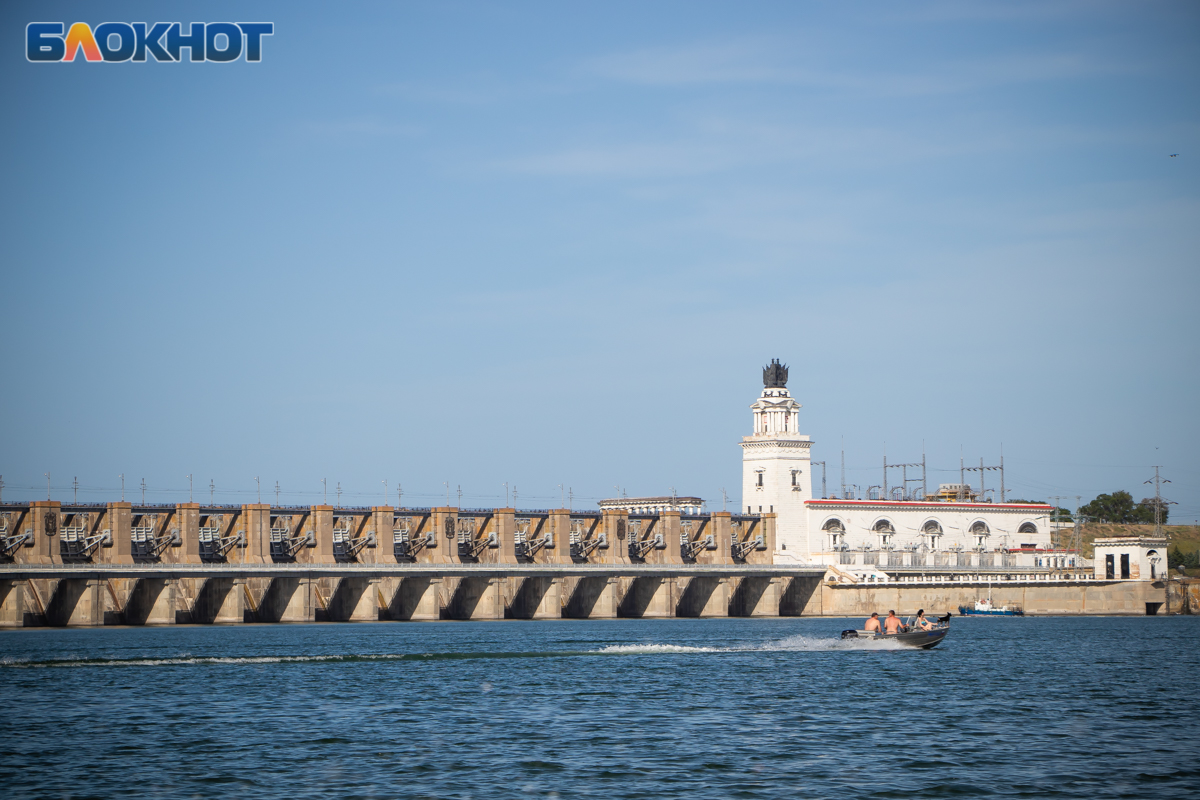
(837, 533)
(1153, 558)
(981, 532)
(1027, 527)
(886, 531)
(933, 531)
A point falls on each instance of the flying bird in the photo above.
(1173, 155)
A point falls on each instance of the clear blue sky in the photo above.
(550, 243)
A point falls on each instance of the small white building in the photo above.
(1131, 558)
(655, 505)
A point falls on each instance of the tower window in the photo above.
(760, 479)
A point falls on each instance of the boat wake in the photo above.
(798, 643)
(808, 644)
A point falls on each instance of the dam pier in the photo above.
(121, 563)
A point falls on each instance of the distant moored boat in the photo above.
(984, 608)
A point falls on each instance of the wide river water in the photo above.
(1035, 707)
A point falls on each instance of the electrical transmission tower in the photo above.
(1159, 503)
(981, 469)
(904, 476)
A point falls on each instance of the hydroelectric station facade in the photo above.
(784, 553)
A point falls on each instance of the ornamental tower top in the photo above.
(775, 412)
(775, 375)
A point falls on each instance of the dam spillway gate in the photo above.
(122, 563)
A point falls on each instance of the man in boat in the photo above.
(872, 625)
(892, 624)
(923, 623)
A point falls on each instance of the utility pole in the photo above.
(339, 494)
(257, 484)
(459, 496)
(1054, 543)
(824, 494)
(843, 468)
(1, 488)
(399, 495)
(962, 474)
(1158, 534)
(212, 488)
(924, 488)
(276, 493)
(144, 491)
(447, 485)
(724, 499)
(1002, 472)
(571, 497)
(514, 496)
(122, 487)
(561, 497)
(47, 485)
(75, 483)
(325, 491)
(385, 491)
(1076, 533)
(506, 494)
(189, 489)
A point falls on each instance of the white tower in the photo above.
(775, 465)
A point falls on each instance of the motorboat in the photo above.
(985, 608)
(909, 634)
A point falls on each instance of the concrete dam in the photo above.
(126, 564)
(120, 563)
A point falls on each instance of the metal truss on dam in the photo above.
(121, 563)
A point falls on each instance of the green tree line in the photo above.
(1178, 558)
(1117, 508)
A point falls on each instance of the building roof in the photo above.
(900, 504)
(648, 501)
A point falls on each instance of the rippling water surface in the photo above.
(1036, 707)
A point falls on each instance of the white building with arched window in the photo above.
(927, 534)
(939, 531)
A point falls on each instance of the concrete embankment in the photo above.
(1099, 598)
(1185, 596)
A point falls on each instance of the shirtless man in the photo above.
(892, 623)
(872, 625)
